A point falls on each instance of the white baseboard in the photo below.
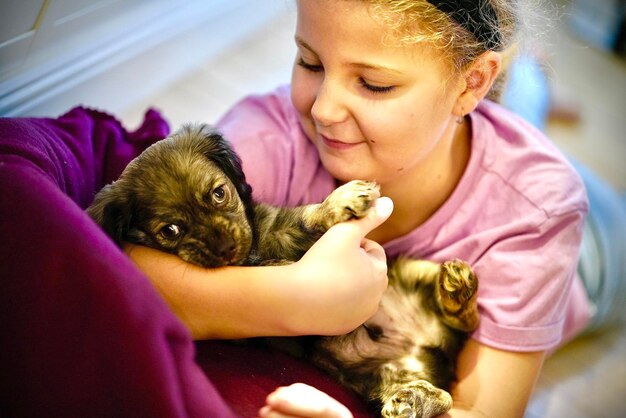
(137, 66)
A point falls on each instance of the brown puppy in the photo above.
(187, 195)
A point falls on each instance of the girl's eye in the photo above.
(170, 232)
(375, 89)
(219, 194)
(310, 67)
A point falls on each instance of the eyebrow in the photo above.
(301, 42)
(375, 67)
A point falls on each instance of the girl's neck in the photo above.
(418, 194)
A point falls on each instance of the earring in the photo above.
(459, 119)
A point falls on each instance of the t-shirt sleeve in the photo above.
(279, 162)
(257, 128)
(530, 277)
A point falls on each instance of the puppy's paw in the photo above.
(457, 289)
(351, 200)
(417, 400)
(405, 403)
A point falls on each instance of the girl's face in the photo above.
(374, 108)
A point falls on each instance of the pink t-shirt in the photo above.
(516, 215)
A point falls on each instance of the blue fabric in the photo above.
(527, 92)
(603, 255)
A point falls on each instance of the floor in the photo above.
(587, 378)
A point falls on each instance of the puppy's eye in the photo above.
(170, 232)
(220, 194)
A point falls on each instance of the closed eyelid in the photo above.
(376, 89)
(357, 65)
(302, 43)
(303, 61)
(311, 67)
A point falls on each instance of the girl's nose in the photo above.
(329, 105)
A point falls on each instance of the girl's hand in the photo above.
(300, 401)
(343, 276)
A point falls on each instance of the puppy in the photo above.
(187, 195)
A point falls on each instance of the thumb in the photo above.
(378, 214)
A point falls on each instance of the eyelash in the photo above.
(310, 67)
(362, 82)
(375, 89)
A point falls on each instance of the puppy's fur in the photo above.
(187, 195)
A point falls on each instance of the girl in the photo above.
(394, 91)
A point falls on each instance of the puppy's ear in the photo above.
(113, 209)
(219, 151)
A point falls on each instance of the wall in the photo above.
(55, 54)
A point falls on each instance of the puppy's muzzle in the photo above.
(225, 249)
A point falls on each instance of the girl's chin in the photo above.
(344, 172)
(343, 166)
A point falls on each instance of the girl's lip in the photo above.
(338, 145)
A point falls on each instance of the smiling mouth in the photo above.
(338, 145)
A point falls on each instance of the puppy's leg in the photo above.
(453, 285)
(404, 393)
(287, 233)
(457, 289)
(351, 200)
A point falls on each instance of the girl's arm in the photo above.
(333, 289)
(494, 383)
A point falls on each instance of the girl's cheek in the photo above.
(303, 100)
(303, 91)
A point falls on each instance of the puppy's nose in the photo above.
(225, 249)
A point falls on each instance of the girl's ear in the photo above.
(478, 79)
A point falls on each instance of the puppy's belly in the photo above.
(404, 319)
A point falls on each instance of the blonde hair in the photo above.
(419, 21)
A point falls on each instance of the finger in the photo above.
(374, 250)
(305, 401)
(381, 211)
(378, 260)
(268, 412)
(359, 228)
